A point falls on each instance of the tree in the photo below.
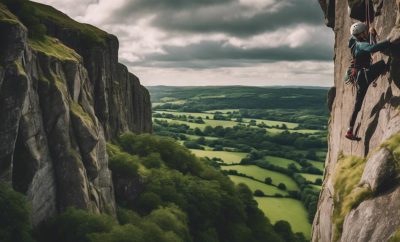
(282, 186)
(318, 182)
(148, 201)
(259, 193)
(268, 180)
(311, 155)
(284, 230)
(201, 141)
(198, 132)
(15, 222)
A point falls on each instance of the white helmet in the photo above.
(358, 28)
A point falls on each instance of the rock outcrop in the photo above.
(367, 208)
(62, 97)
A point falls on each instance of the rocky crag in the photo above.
(62, 97)
(360, 199)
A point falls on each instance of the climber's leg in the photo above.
(357, 106)
(376, 70)
(361, 91)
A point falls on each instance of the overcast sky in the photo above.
(215, 42)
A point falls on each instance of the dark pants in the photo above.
(364, 79)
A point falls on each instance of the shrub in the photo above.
(153, 160)
(268, 180)
(15, 223)
(259, 193)
(282, 186)
(347, 175)
(74, 225)
(148, 201)
(124, 164)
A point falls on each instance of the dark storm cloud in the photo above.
(224, 16)
(208, 54)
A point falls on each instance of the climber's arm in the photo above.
(374, 47)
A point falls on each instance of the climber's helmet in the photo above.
(358, 28)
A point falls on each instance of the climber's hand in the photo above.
(372, 31)
(394, 36)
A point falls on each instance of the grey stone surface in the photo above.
(57, 115)
(374, 220)
(379, 171)
(378, 120)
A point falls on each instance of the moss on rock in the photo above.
(77, 109)
(53, 47)
(348, 194)
(91, 35)
(7, 16)
(395, 237)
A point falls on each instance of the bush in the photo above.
(282, 186)
(153, 160)
(124, 164)
(148, 201)
(259, 193)
(74, 226)
(15, 223)
(268, 180)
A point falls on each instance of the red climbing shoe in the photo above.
(350, 135)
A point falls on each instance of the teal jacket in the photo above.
(362, 50)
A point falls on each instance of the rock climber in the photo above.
(364, 71)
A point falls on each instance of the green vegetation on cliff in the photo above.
(15, 222)
(91, 35)
(348, 194)
(6, 15)
(53, 47)
(33, 15)
(175, 198)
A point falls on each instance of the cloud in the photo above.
(237, 18)
(191, 38)
(307, 73)
(301, 43)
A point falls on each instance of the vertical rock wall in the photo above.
(376, 217)
(58, 107)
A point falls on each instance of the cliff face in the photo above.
(61, 98)
(360, 199)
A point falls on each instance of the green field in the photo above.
(255, 185)
(227, 157)
(319, 165)
(196, 137)
(299, 111)
(201, 115)
(272, 123)
(311, 177)
(321, 154)
(316, 187)
(223, 111)
(287, 209)
(213, 123)
(300, 131)
(281, 162)
(260, 174)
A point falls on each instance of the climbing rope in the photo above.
(372, 39)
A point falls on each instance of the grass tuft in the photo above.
(53, 47)
(6, 15)
(348, 194)
(395, 237)
(77, 109)
(90, 34)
